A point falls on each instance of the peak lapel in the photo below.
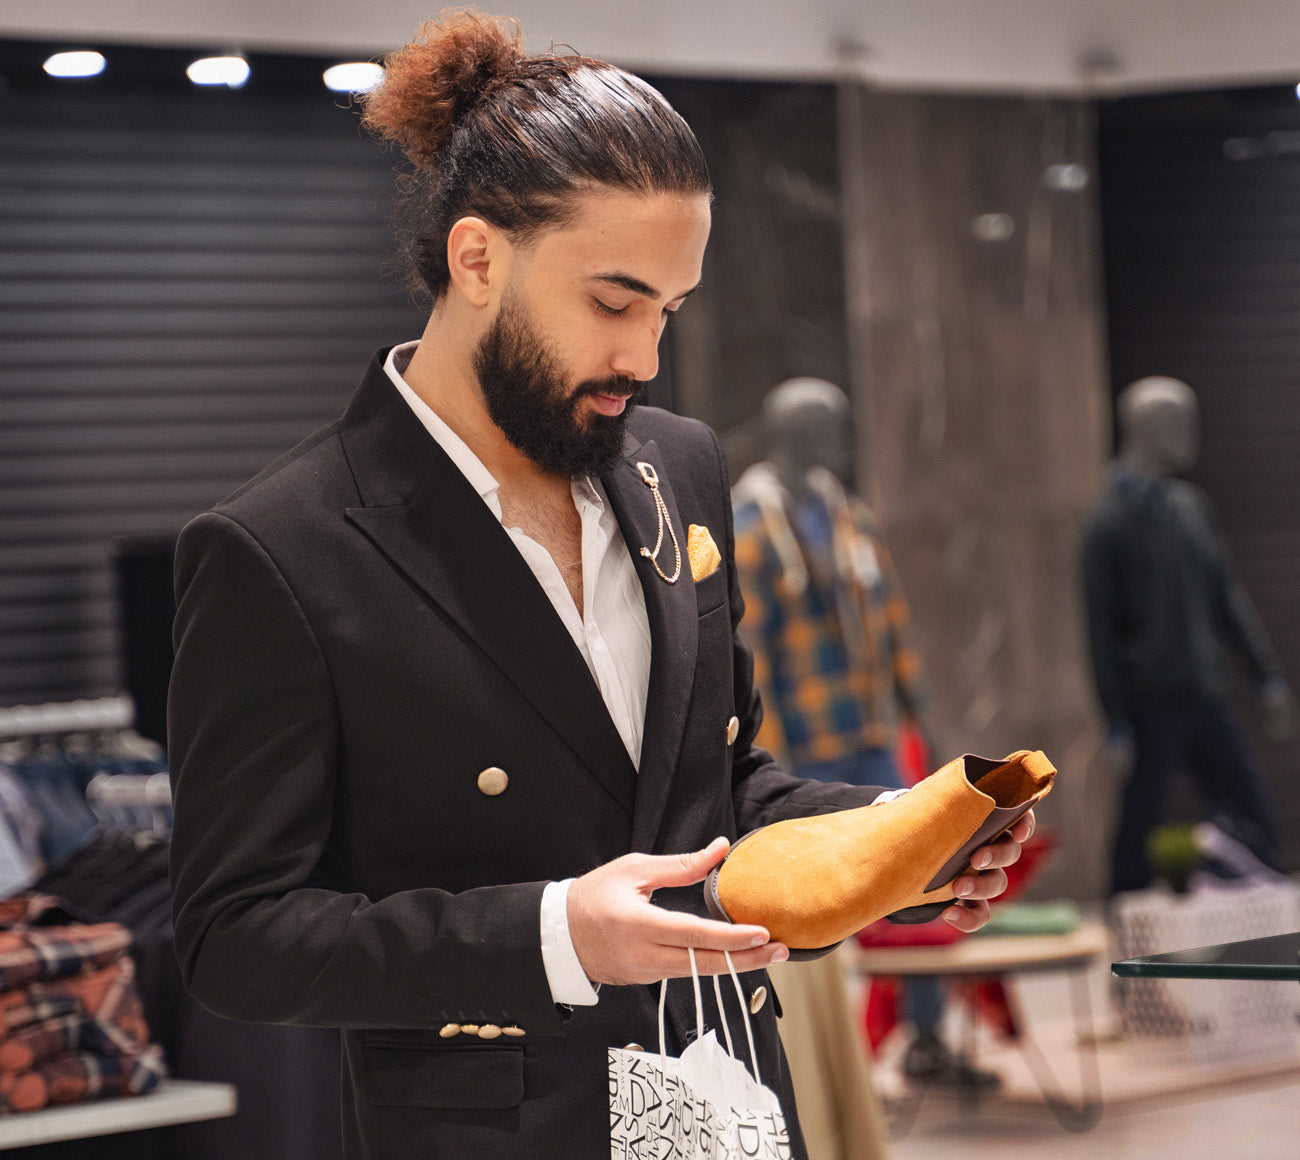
(447, 543)
(674, 628)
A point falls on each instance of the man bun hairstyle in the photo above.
(510, 138)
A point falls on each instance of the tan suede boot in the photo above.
(812, 882)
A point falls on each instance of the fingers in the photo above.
(682, 869)
(676, 928)
(986, 884)
(676, 963)
(968, 916)
(1023, 830)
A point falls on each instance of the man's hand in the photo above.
(621, 937)
(986, 879)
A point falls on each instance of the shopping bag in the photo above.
(704, 1105)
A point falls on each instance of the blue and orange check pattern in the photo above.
(827, 692)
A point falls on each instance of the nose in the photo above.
(638, 356)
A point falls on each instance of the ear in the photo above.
(475, 248)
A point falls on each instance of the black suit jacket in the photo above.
(356, 639)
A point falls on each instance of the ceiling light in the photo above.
(231, 71)
(356, 76)
(75, 64)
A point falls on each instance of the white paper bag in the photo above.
(705, 1105)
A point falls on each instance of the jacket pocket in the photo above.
(490, 1076)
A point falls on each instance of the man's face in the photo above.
(579, 320)
(528, 397)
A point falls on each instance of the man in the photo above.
(453, 695)
(1163, 605)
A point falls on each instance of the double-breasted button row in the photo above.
(493, 781)
(733, 730)
(482, 1030)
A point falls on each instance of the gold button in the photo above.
(733, 730)
(757, 999)
(633, 1047)
(472, 1028)
(493, 781)
(489, 1031)
(512, 1031)
(450, 1030)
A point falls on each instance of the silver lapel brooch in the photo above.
(651, 480)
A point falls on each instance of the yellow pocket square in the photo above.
(703, 552)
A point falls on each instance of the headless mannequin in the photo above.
(1163, 608)
(809, 431)
(1160, 437)
(807, 423)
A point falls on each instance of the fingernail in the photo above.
(962, 887)
(982, 861)
(758, 940)
(780, 955)
(950, 916)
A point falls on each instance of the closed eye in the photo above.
(612, 311)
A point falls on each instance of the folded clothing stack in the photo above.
(72, 1027)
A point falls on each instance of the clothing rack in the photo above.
(132, 801)
(91, 716)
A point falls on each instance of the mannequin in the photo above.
(829, 627)
(1163, 608)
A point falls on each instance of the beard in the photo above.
(528, 400)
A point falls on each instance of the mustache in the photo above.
(615, 385)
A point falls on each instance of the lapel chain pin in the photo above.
(651, 478)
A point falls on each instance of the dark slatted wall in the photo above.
(1202, 237)
(189, 283)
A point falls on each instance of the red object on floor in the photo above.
(989, 998)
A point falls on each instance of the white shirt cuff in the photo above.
(889, 795)
(568, 981)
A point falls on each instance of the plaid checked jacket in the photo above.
(832, 655)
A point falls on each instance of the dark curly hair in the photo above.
(510, 138)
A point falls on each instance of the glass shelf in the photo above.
(1276, 957)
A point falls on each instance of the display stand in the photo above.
(174, 1101)
(994, 956)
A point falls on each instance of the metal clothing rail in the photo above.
(100, 715)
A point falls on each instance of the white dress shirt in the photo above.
(612, 632)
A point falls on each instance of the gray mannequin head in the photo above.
(1159, 426)
(808, 424)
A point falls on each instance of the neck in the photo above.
(441, 372)
(1139, 461)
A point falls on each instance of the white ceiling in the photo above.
(963, 44)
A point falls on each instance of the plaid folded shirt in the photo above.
(72, 1026)
(833, 662)
(40, 940)
(75, 1076)
(98, 1011)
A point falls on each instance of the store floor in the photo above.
(1161, 1099)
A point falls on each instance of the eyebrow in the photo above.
(627, 282)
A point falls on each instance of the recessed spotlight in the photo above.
(231, 71)
(75, 64)
(355, 76)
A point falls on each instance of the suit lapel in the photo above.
(421, 512)
(674, 628)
